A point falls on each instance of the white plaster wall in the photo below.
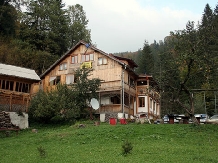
(142, 109)
(120, 115)
(102, 117)
(21, 121)
(146, 103)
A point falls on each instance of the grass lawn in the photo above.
(103, 144)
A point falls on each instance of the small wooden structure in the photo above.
(17, 84)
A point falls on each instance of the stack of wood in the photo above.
(5, 122)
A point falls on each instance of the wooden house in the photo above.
(122, 92)
(16, 87)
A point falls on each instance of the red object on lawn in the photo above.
(113, 121)
(123, 121)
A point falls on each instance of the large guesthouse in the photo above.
(122, 92)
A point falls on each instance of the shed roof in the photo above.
(20, 72)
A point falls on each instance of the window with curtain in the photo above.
(69, 79)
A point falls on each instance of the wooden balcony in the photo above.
(14, 102)
(115, 108)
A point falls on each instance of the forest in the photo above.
(184, 64)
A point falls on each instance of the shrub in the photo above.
(41, 151)
(126, 147)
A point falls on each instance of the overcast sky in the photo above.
(124, 25)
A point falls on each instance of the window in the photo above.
(102, 61)
(131, 82)
(83, 58)
(22, 87)
(69, 79)
(87, 57)
(142, 82)
(154, 106)
(58, 79)
(54, 80)
(8, 85)
(11, 85)
(3, 84)
(115, 100)
(74, 59)
(91, 56)
(63, 66)
(141, 101)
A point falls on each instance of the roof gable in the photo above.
(74, 48)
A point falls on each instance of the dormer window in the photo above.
(63, 66)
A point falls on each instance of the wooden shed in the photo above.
(17, 84)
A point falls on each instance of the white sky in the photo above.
(124, 25)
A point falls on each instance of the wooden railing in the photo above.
(115, 108)
(14, 102)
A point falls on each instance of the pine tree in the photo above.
(146, 60)
(45, 27)
(8, 19)
(78, 25)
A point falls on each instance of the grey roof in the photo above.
(20, 72)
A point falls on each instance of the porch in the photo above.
(116, 108)
(11, 102)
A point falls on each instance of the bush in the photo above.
(55, 105)
(126, 147)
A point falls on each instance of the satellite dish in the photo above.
(94, 103)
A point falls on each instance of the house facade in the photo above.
(17, 84)
(122, 92)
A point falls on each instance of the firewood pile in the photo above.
(5, 122)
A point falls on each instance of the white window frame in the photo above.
(102, 61)
(63, 66)
(74, 59)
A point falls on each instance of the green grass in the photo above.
(103, 143)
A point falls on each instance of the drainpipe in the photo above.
(123, 89)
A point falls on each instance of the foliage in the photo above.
(186, 61)
(65, 102)
(19, 53)
(44, 26)
(8, 19)
(41, 151)
(54, 106)
(78, 25)
(145, 60)
(37, 37)
(126, 147)
(85, 88)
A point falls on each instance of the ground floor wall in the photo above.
(148, 105)
(105, 117)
